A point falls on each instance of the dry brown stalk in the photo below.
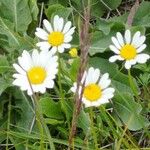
(132, 13)
(84, 47)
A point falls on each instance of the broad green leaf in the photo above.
(17, 12)
(51, 109)
(84, 121)
(34, 9)
(4, 65)
(6, 28)
(59, 10)
(15, 41)
(100, 42)
(142, 16)
(4, 84)
(97, 9)
(109, 4)
(129, 111)
(24, 110)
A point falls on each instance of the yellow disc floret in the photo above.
(73, 52)
(128, 52)
(36, 75)
(92, 92)
(56, 38)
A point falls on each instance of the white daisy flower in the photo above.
(96, 90)
(129, 48)
(37, 71)
(55, 36)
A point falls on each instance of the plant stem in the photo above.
(42, 123)
(62, 101)
(37, 113)
(8, 122)
(93, 129)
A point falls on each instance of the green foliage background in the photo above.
(18, 20)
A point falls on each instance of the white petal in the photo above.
(66, 45)
(49, 83)
(86, 102)
(43, 44)
(56, 23)
(60, 49)
(19, 69)
(42, 90)
(70, 32)
(67, 27)
(141, 48)
(47, 25)
(25, 65)
(116, 43)
(114, 49)
(41, 33)
(115, 57)
(108, 91)
(92, 75)
(103, 100)
(73, 89)
(104, 81)
(53, 49)
(140, 41)
(105, 84)
(67, 39)
(128, 64)
(29, 92)
(35, 57)
(127, 36)
(136, 38)
(95, 103)
(61, 24)
(142, 58)
(120, 38)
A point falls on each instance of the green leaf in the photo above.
(100, 42)
(34, 9)
(15, 41)
(84, 121)
(97, 9)
(59, 10)
(24, 111)
(17, 12)
(4, 84)
(129, 112)
(142, 16)
(6, 28)
(53, 121)
(51, 109)
(4, 65)
(110, 5)
(74, 68)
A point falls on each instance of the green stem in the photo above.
(8, 123)
(42, 124)
(93, 129)
(62, 101)
(37, 113)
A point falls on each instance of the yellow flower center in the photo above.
(56, 38)
(36, 75)
(92, 92)
(128, 52)
(73, 52)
